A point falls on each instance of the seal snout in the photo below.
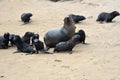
(67, 19)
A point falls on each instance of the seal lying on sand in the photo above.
(4, 41)
(77, 18)
(52, 37)
(65, 46)
(76, 38)
(25, 17)
(82, 36)
(107, 17)
(22, 46)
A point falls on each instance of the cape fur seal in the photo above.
(4, 41)
(27, 36)
(25, 17)
(82, 36)
(65, 46)
(22, 46)
(107, 17)
(52, 37)
(77, 18)
(39, 46)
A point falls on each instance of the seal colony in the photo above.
(61, 39)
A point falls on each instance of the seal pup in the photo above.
(52, 37)
(76, 38)
(77, 18)
(25, 17)
(11, 37)
(35, 36)
(4, 40)
(65, 46)
(82, 36)
(39, 46)
(107, 17)
(22, 46)
(27, 37)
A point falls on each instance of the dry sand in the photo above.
(100, 60)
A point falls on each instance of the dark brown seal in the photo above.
(22, 46)
(52, 37)
(27, 37)
(77, 18)
(82, 35)
(65, 46)
(4, 40)
(25, 17)
(107, 17)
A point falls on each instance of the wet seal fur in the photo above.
(52, 37)
(22, 46)
(107, 17)
(77, 18)
(25, 17)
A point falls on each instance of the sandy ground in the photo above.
(100, 60)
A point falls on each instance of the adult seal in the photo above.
(52, 37)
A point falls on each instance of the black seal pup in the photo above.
(4, 41)
(25, 17)
(11, 37)
(52, 37)
(27, 37)
(82, 36)
(6, 38)
(76, 38)
(77, 18)
(35, 36)
(65, 46)
(107, 17)
(39, 46)
(22, 46)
